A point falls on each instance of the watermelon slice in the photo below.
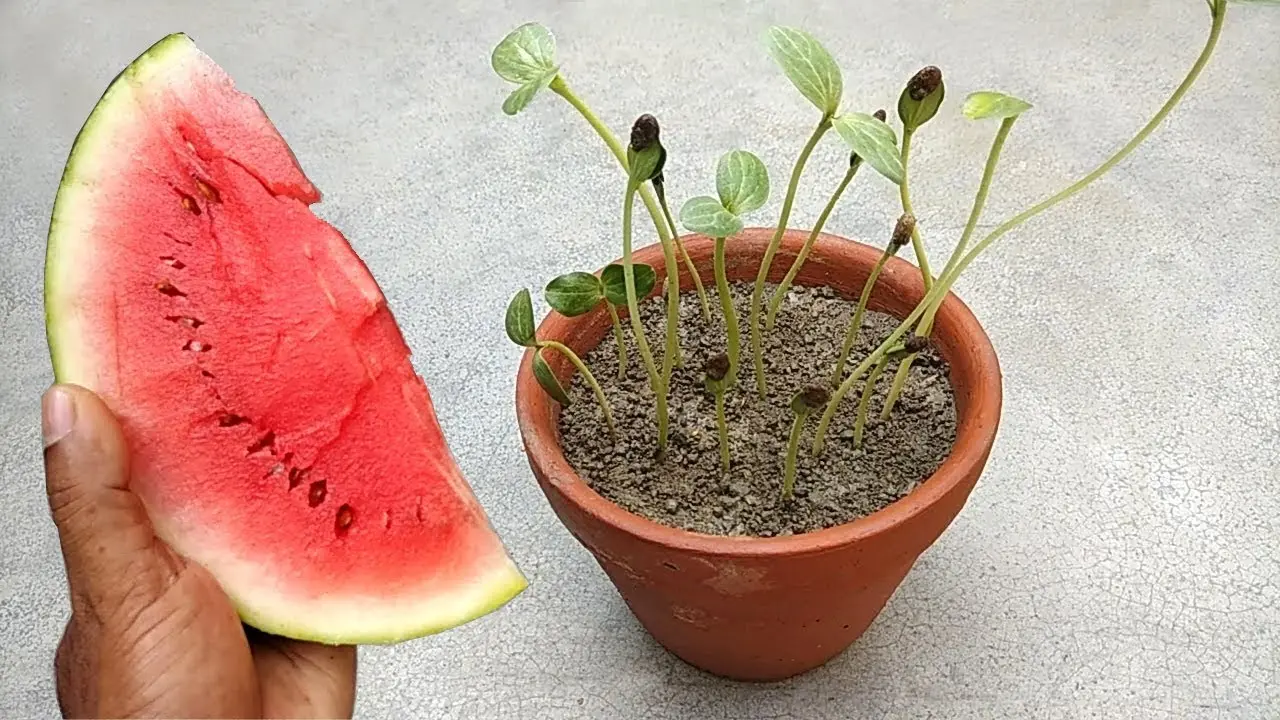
(281, 437)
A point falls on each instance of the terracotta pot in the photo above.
(769, 608)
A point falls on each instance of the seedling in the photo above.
(578, 293)
(803, 403)
(714, 373)
(913, 345)
(742, 183)
(817, 76)
(775, 302)
(521, 330)
(917, 105)
(901, 236)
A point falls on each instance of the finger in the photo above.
(105, 534)
(304, 679)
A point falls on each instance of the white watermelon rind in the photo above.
(331, 620)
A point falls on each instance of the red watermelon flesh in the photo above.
(281, 437)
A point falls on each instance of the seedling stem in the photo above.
(757, 293)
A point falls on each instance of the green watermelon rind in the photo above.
(498, 587)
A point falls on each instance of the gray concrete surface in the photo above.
(1120, 557)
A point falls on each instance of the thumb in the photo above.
(105, 534)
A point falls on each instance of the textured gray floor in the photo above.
(1120, 556)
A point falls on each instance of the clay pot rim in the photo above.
(975, 433)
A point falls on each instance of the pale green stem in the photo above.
(588, 377)
(561, 88)
(730, 316)
(975, 213)
(757, 348)
(656, 381)
(905, 193)
(723, 429)
(618, 338)
(869, 388)
(855, 325)
(776, 301)
(793, 448)
(684, 255)
(940, 289)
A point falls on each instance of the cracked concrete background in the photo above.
(1119, 558)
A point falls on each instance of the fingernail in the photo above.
(59, 415)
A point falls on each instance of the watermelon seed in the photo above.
(418, 512)
(190, 322)
(386, 520)
(297, 475)
(173, 262)
(164, 287)
(262, 443)
(208, 191)
(197, 346)
(231, 420)
(207, 374)
(316, 493)
(346, 516)
(190, 204)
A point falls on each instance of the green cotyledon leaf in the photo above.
(990, 104)
(548, 380)
(615, 284)
(520, 319)
(705, 214)
(742, 181)
(574, 294)
(872, 140)
(808, 65)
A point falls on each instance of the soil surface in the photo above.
(688, 490)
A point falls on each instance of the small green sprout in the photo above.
(578, 293)
(911, 346)
(918, 103)
(714, 372)
(816, 75)
(742, 183)
(645, 160)
(978, 106)
(775, 302)
(901, 236)
(521, 331)
(803, 403)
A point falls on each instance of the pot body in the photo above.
(770, 608)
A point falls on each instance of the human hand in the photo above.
(152, 633)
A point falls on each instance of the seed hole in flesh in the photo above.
(197, 346)
(386, 520)
(263, 443)
(173, 262)
(231, 420)
(208, 191)
(316, 493)
(164, 287)
(186, 321)
(297, 475)
(418, 512)
(345, 518)
(190, 204)
(275, 471)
